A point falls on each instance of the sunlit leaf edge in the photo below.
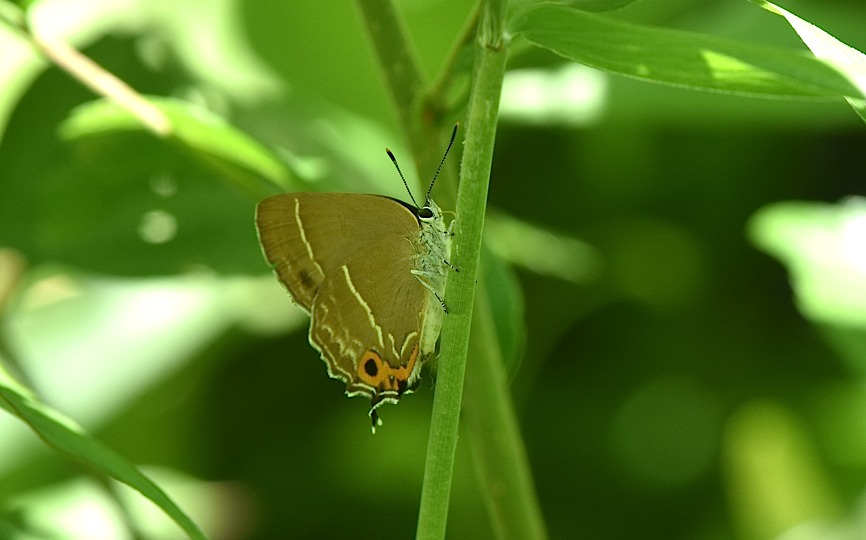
(680, 58)
(196, 129)
(848, 60)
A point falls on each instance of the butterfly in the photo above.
(371, 272)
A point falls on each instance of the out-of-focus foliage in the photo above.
(670, 382)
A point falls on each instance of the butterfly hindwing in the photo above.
(367, 319)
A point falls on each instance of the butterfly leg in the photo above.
(450, 230)
(441, 254)
(420, 274)
(441, 302)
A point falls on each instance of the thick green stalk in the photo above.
(491, 426)
(499, 453)
(471, 202)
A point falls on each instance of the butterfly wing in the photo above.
(305, 236)
(368, 319)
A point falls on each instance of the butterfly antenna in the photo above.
(394, 160)
(435, 176)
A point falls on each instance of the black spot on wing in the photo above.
(371, 368)
(306, 279)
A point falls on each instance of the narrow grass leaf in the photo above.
(65, 435)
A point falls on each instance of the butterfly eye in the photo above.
(426, 213)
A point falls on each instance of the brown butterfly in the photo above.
(371, 272)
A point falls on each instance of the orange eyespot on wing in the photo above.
(386, 379)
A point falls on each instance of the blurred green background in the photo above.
(686, 385)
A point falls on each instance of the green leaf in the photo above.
(506, 307)
(680, 58)
(206, 137)
(596, 5)
(849, 61)
(583, 5)
(542, 251)
(777, 484)
(126, 202)
(66, 436)
(822, 245)
(128, 205)
(19, 62)
(11, 15)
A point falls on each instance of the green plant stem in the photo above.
(396, 57)
(481, 123)
(499, 457)
(448, 93)
(104, 83)
(405, 82)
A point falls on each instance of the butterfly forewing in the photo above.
(307, 235)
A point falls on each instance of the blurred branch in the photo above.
(102, 82)
(93, 76)
(400, 68)
(498, 453)
(405, 82)
(395, 54)
(440, 100)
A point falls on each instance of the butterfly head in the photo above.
(429, 213)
